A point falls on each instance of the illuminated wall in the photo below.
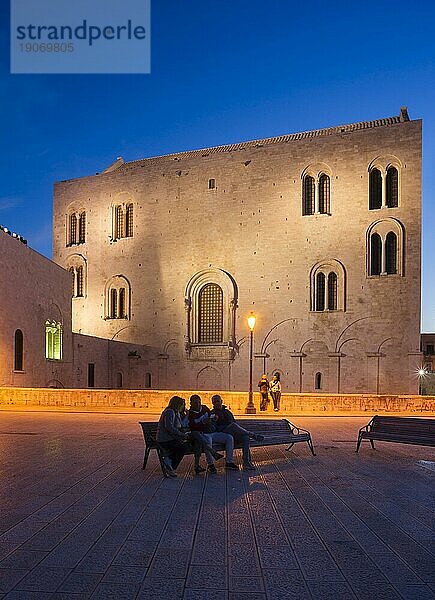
(317, 232)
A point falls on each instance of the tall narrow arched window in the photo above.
(212, 184)
(375, 189)
(391, 253)
(73, 283)
(80, 281)
(72, 238)
(332, 291)
(392, 187)
(129, 221)
(320, 292)
(375, 254)
(119, 222)
(210, 314)
(113, 303)
(53, 340)
(308, 195)
(148, 381)
(82, 228)
(121, 307)
(318, 381)
(18, 350)
(119, 380)
(324, 194)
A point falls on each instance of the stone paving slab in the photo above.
(79, 519)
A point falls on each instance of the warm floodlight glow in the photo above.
(251, 321)
(422, 372)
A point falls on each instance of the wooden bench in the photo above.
(402, 430)
(275, 431)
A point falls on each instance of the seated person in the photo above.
(199, 420)
(177, 441)
(225, 422)
(171, 435)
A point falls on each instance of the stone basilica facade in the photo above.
(317, 233)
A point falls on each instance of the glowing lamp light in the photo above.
(422, 372)
(251, 321)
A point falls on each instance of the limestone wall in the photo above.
(153, 401)
(248, 235)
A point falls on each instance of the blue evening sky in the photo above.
(221, 72)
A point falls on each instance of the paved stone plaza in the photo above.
(80, 519)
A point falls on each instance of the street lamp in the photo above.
(421, 372)
(250, 408)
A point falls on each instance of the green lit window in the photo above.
(53, 340)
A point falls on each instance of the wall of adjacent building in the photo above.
(34, 290)
(154, 401)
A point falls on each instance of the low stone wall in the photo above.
(153, 401)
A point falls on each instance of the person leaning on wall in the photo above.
(275, 391)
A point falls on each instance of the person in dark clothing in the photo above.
(263, 384)
(171, 435)
(224, 421)
(174, 437)
(200, 420)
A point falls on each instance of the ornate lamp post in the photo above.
(250, 408)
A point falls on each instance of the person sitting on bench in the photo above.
(199, 420)
(225, 422)
(176, 441)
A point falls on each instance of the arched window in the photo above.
(117, 298)
(391, 253)
(121, 307)
(328, 286)
(318, 381)
(332, 291)
(18, 350)
(212, 184)
(119, 222)
(72, 237)
(308, 195)
(210, 314)
(324, 192)
(73, 274)
(148, 381)
(119, 380)
(77, 268)
(375, 254)
(53, 340)
(385, 244)
(82, 228)
(129, 221)
(320, 292)
(392, 187)
(375, 189)
(210, 300)
(113, 303)
(79, 284)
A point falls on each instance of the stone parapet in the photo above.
(153, 401)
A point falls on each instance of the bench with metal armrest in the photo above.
(274, 432)
(402, 430)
